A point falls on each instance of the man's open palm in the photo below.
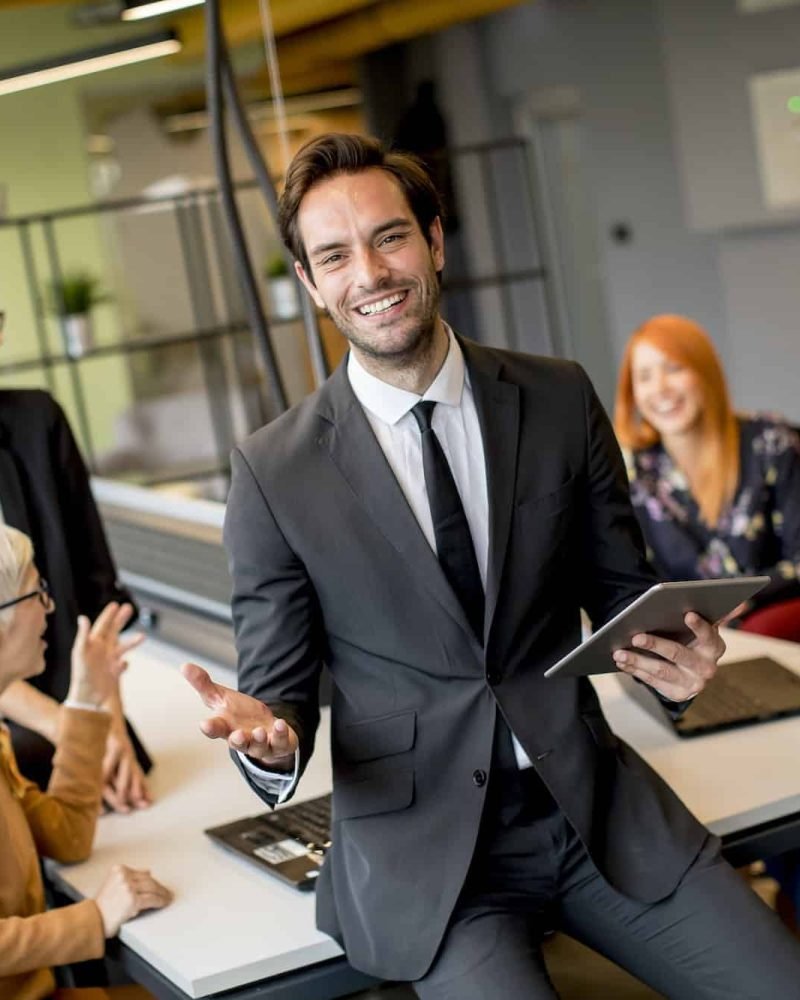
(246, 723)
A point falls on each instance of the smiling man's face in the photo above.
(372, 267)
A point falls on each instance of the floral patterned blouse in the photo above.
(758, 533)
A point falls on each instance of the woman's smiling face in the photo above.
(667, 394)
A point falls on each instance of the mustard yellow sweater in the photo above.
(56, 824)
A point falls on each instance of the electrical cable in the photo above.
(275, 80)
(316, 351)
(217, 57)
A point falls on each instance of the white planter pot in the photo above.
(78, 335)
(283, 299)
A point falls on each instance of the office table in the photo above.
(235, 928)
(744, 784)
(230, 925)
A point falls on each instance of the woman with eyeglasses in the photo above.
(60, 822)
(45, 492)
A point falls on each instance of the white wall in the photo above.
(712, 50)
(760, 272)
(670, 151)
(611, 54)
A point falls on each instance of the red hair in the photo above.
(687, 343)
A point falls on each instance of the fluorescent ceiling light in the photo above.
(138, 10)
(302, 105)
(89, 61)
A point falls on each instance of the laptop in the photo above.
(741, 693)
(290, 843)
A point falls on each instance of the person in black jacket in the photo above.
(45, 492)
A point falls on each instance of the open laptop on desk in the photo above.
(289, 843)
(740, 693)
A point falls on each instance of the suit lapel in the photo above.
(357, 455)
(497, 403)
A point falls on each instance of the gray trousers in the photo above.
(712, 939)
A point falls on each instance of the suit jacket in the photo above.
(330, 566)
(45, 492)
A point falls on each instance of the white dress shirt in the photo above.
(455, 423)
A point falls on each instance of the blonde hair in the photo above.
(687, 343)
(16, 558)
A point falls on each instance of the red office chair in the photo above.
(780, 620)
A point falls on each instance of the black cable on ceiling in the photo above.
(216, 59)
(242, 122)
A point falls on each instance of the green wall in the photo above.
(44, 166)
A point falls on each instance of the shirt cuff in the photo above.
(273, 782)
(86, 706)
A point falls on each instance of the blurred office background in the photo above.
(602, 160)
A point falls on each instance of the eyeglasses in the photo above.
(42, 592)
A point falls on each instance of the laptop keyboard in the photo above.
(308, 822)
(746, 690)
(726, 703)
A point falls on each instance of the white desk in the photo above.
(232, 925)
(730, 781)
(229, 924)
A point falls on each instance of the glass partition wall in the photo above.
(130, 313)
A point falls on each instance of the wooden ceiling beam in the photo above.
(241, 20)
(377, 27)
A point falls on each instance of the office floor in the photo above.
(576, 971)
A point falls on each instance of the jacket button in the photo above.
(479, 778)
(494, 677)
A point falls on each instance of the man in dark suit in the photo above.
(429, 525)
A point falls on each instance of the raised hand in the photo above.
(244, 722)
(125, 893)
(98, 654)
(676, 672)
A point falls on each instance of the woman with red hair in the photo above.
(716, 494)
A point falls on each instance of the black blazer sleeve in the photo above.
(93, 571)
(279, 633)
(618, 571)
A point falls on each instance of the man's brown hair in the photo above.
(340, 153)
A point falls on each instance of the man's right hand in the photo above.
(246, 723)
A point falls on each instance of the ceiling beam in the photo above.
(241, 20)
(377, 27)
(29, 3)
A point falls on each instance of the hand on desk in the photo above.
(124, 781)
(125, 893)
(680, 672)
(246, 723)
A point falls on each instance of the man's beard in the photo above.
(419, 338)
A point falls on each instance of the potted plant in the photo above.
(283, 299)
(73, 298)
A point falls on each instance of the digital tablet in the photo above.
(660, 611)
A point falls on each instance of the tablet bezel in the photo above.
(658, 611)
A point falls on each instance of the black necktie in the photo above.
(451, 530)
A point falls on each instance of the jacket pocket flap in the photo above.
(374, 738)
(379, 793)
